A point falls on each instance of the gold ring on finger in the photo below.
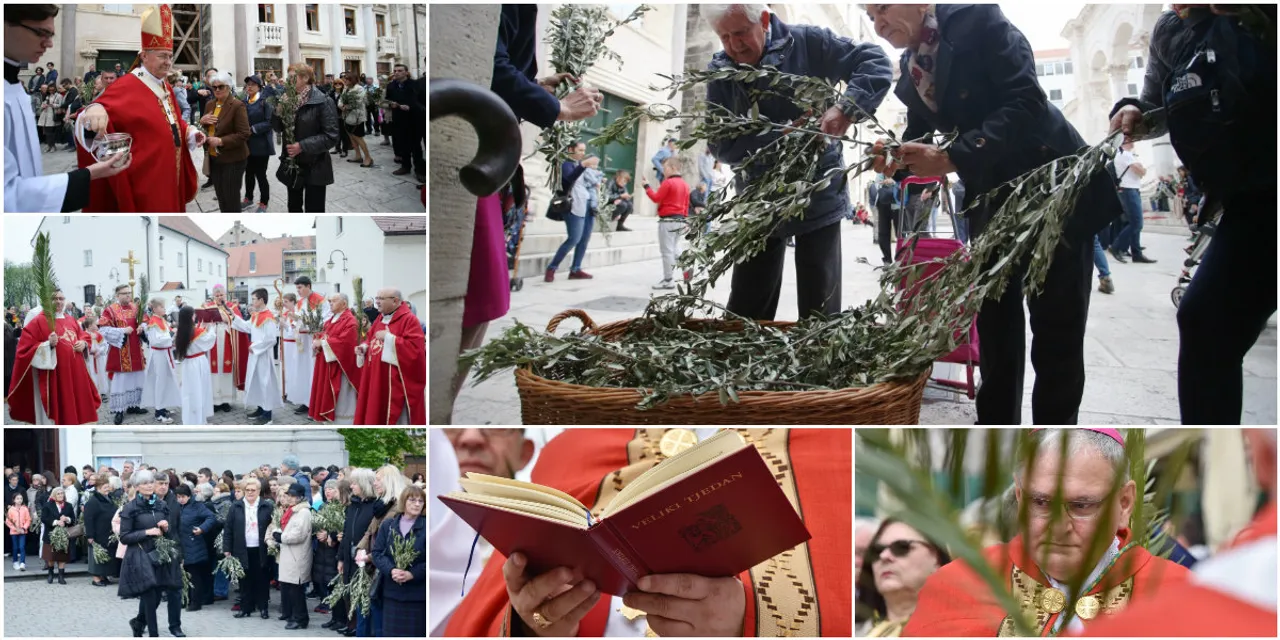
(540, 620)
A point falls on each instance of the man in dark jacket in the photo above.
(760, 39)
(173, 595)
(405, 123)
(249, 545)
(1211, 85)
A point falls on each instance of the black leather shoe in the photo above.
(328, 625)
(293, 625)
(283, 617)
(302, 408)
(100, 583)
(350, 633)
(137, 411)
(1141, 259)
(244, 614)
(226, 406)
(50, 576)
(266, 616)
(256, 412)
(62, 576)
(119, 419)
(136, 625)
(177, 632)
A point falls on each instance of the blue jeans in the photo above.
(579, 236)
(1100, 259)
(221, 585)
(20, 548)
(371, 626)
(1130, 239)
(515, 233)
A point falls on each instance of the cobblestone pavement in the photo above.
(1131, 344)
(237, 416)
(91, 611)
(354, 189)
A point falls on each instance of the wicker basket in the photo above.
(545, 401)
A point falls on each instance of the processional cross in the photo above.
(130, 261)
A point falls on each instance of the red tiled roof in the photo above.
(270, 256)
(401, 225)
(185, 226)
(171, 286)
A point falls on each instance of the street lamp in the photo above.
(344, 260)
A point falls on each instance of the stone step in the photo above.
(543, 237)
(597, 256)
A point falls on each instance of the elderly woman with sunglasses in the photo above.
(228, 142)
(894, 569)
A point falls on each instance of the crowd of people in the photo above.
(335, 363)
(238, 131)
(267, 518)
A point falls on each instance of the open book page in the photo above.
(675, 467)
(522, 496)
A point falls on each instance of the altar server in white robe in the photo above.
(301, 358)
(260, 385)
(191, 345)
(28, 34)
(96, 354)
(160, 391)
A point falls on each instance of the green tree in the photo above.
(374, 447)
(19, 284)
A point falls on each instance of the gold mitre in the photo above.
(157, 28)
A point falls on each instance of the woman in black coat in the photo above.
(261, 143)
(315, 131)
(142, 575)
(967, 68)
(253, 587)
(194, 527)
(324, 562)
(57, 512)
(404, 591)
(360, 512)
(99, 509)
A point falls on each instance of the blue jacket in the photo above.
(808, 51)
(658, 159)
(195, 514)
(986, 88)
(414, 590)
(261, 139)
(515, 67)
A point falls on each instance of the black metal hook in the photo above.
(496, 127)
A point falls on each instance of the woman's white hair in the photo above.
(141, 477)
(714, 13)
(56, 491)
(224, 78)
(364, 478)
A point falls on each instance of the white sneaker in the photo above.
(22, 567)
(164, 419)
(15, 566)
(665, 284)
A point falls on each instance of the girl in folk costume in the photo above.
(161, 388)
(260, 385)
(96, 354)
(191, 347)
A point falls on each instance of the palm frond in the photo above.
(42, 272)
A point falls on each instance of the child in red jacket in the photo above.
(673, 211)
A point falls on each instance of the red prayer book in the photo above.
(713, 510)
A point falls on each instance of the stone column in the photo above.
(68, 56)
(467, 32)
(245, 43)
(339, 32)
(292, 52)
(370, 63)
(1118, 74)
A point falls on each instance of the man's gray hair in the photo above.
(1048, 441)
(204, 492)
(345, 300)
(291, 461)
(162, 477)
(140, 477)
(714, 13)
(114, 481)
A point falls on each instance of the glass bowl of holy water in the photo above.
(109, 145)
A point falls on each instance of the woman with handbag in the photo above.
(354, 114)
(58, 513)
(144, 574)
(315, 131)
(577, 221)
(361, 510)
(97, 525)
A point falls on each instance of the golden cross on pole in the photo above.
(130, 261)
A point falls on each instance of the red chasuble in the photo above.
(161, 178)
(326, 379)
(1203, 608)
(232, 354)
(956, 602)
(384, 389)
(813, 466)
(67, 393)
(128, 358)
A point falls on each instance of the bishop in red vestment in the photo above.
(334, 379)
(52, 385)
(162, 178)
(1232, 593)
(1039, 564)
(229, 357)
(812, 466)
(393, 380)
(126, 367)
